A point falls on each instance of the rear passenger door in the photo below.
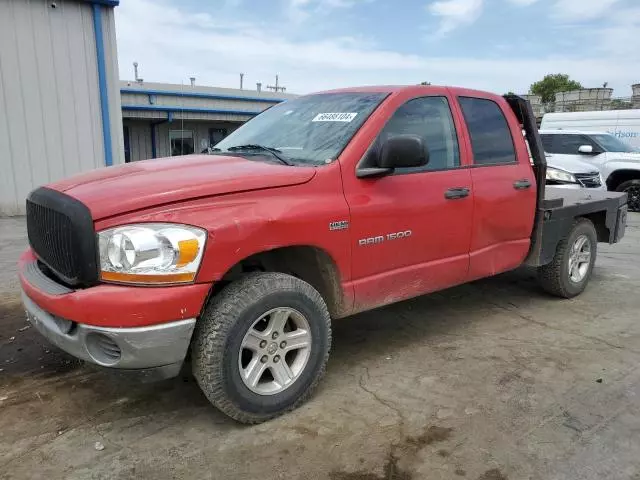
(504, 187)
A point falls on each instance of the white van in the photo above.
(622, 124)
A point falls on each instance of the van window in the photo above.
(431, 119)
(491, 140)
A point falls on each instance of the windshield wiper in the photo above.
(273, 151)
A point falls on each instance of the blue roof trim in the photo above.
(212, 96)
(170, 109)
(106, 3)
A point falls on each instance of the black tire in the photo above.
(554, 277)
(632, 187)
(218, 339)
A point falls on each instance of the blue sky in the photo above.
(496, 45)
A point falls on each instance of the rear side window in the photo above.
(491, 140)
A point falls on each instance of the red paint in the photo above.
(502, 216)
(119, 306)
(139, 185)
(250, 207)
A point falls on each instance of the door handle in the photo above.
(521, 184)
(457, 192)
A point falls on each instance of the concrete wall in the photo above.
(50, 113)
(536, 104)
(635, 99)
(583, 100)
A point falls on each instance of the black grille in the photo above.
(61, 234)
(51, 237)
(589, 180)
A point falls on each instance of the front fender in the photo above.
(610, 168)
(243, 224)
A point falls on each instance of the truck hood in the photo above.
(570, 164)
(134, 186)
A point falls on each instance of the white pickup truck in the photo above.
(618, 162)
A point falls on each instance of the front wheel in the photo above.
(261, 346)
(632, 189)
(569, 272)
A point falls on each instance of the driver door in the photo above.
(410, 230)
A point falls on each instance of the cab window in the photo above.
(431, 119)
(491, 139)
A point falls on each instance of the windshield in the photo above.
(313, 129)
(611, 144)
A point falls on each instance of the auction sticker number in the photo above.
(334, 117)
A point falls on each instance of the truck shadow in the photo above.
(396, 326)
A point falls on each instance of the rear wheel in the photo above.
(569, 272)
(632, 189)
(261, 346)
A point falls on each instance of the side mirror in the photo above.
(403, 151)
(586, 149)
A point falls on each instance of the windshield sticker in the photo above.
(334, 117)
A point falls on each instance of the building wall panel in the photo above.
(50, 116)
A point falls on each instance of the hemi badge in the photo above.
(341, 225)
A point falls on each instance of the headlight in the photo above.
(560, 176)
(151, 253)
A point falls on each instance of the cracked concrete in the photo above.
(491, 380)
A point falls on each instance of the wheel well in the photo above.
(619, 176)
(599, 220)
(311, 264)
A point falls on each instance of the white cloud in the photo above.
(171, 45)
(580, 10)
(302, 10)
(522, 3)
(455, 13)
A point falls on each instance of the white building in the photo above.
(59, 93)
(161, 120)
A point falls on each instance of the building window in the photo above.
(127, 143)
(181, 142)
(490, 136)
(216, 135)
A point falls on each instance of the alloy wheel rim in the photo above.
(579, 259)
(275, 351)
(633, 194)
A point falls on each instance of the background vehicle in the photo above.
(618, 162)
(567, 172)
(622, 124)
(244, 256)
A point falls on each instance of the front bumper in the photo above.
(126, 328)
(151, 347)
(576, 186)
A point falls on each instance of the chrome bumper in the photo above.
(575, 186)
(158, 346)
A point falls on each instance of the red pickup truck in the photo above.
(318, 208)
